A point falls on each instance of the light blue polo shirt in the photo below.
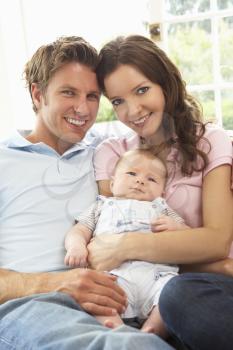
(41, 193)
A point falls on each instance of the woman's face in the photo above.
(138, 102)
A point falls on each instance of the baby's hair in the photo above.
(147, 153)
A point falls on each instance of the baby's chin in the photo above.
(139, 196)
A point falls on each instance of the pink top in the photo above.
(182, 193)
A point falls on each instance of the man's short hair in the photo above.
(49, 58)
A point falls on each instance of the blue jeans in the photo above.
(55, 321)
(198, 309)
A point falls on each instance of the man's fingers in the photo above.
(108, 302)
(95, 309)
(109, 281)
(108, 296)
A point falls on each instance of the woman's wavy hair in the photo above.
(49, 58)
(182, 113)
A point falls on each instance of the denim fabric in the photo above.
(54, 321)
(198, 309)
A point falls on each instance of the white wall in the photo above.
(27, 24)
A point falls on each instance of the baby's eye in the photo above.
(132, 173)
(152, 179)
(117, 102)
(142, 90)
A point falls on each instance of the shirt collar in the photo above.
(18, 141)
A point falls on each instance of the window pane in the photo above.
(226, 48)
(206, 98)
(225, 4)
(106, 111)
(183, 7)
(227, 108)
(189, 46)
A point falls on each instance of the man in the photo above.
(46, 180)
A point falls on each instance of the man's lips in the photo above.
(76, 122)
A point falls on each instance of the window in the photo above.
(198, 37)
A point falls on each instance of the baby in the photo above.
(137, 205)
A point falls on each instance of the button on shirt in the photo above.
(41, 193)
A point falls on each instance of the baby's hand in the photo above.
(166, 223)
(76, 257)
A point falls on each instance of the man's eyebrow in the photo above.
(95, 92)
(74, 89)
(67, 86)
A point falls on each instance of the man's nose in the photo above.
(81, 107)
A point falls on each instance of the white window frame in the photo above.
(214, 15)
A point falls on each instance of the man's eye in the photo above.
(142, 90)
(68, 92)
(93, 97)
(132, 173)
(117, 102)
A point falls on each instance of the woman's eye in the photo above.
(142, 90)
(116, 102)
(132, 173)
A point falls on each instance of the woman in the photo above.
(149, 96)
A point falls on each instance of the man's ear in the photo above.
(36, 95)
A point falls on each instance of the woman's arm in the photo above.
(224, 266)
(197, 245)
(104, 188)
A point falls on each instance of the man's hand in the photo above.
(96, 292)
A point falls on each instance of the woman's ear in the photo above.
(36, 95)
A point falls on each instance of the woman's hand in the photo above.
(105, 252)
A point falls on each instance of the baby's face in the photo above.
(138, 177)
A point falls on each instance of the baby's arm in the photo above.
(169, 220)
(167, 223)
(76, 245)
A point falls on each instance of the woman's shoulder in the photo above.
(109, 151)
(216, 136)
(216, 131)
(118, 145)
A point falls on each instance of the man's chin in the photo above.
(67, 141)
(73, 138)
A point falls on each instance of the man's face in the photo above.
(69, 106)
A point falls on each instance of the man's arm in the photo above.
(93, 290)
